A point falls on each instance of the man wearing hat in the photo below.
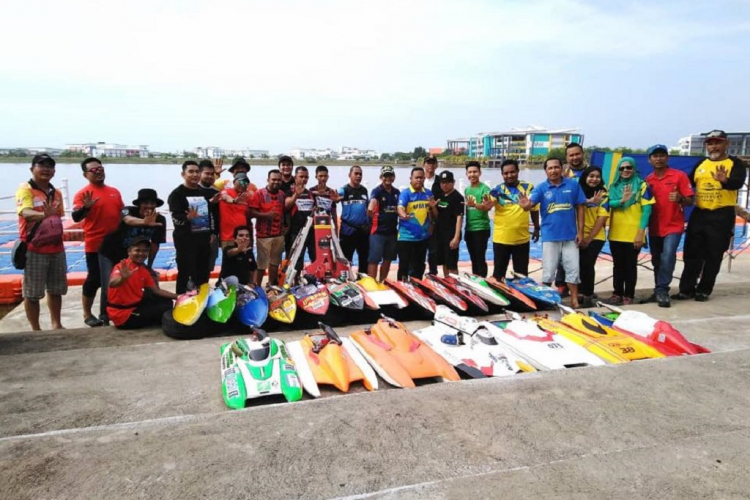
(383, 212)
(672, 191)
(98, 207)
(239, 165)
(233, 209)
(450, 208)
(40, 206)
(717, 179)
(140, 220)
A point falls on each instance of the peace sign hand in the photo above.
(721, 174)
(88, 199)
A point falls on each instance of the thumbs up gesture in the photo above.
(674, 195)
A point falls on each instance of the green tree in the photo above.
(385, 157)
(419, 152)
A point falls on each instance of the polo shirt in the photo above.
(624, 223)
(130, 293)
(417, 206)
(668, 217)
(102, 218)
(511, 222)
(558, 208)
(354, 209)
(232, 215)
(711, 194)
(591, 214)
(264, 202)
(34, 198)
(385, 215)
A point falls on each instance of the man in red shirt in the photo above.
(267, 207)
(40, 206)
(134, 300)
(99, 207)
(672, 191)
(233, 209)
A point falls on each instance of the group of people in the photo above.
(422, 226)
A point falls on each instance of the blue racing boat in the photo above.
(542, 295)
(252, 305)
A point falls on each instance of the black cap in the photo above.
(239, 162)
(43, 158)
(241, 176)
(285, 159)
(430, 159)
(446, 176)
(716, 134)
(147, 194)
(139, 239)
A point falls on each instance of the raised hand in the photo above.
(88, 199)
(49, 208)
(627, 193)
(299, 189)
(524, 201)
(215, 199)
(471, 201)
(125, 271)
(335, 196)
(218, 166)
(192, 214)
(150, 219)
(597, 198)
(241, 198)
(721, 174)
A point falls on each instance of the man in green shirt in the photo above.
(478, 204)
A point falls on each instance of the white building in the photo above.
(307, 153)
(100, 149)
(217, 152)
(692, 145)
(351, 153)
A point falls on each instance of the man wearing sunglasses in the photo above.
(233, 209)
(98, 207)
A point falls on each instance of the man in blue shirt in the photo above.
(355, 223)
(417, 210)
(562, 206)
(384, 233)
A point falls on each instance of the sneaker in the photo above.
(614, 300)
(682, 296)
(585, 302)
(626, 301)
(93, 321)
(651, 298)
(701, 297)
(663, 300)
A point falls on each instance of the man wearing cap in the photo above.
(672, 191)
(286, 164)
(450, 213)
(417, 210)
(430, 164)
(716, 179)
(267, 207)
(134, 300)
(354, 230)
(98, 206)
(40, 208)
(233, 209)
(383, 211)
(299, 206)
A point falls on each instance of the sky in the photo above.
(386, 75)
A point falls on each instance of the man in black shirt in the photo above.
(194, 215)
(450, 206)
(355, 222)
(300, 205)
(207, 180)
(238, 259)
(432, 183)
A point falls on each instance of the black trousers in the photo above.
(432, 250)
(587, 265)
(147, 313)
(708, 235)
(359, 241)
(476, 244)
(625, 273)
(411, 256)
(193, 256)
(503, 254)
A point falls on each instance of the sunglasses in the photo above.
(96, 170)
(626, 167)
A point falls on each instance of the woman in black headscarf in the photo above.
(597, 213)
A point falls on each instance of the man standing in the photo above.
(478, 204)
(562, 206)
(672, 191)
(195, 228)
(510, 238)
(450, 208)
(267, 207)
(99, 207)
(383, 210)
(40, 206)
(287, 179)
(355, 223)
(207, 181)
(416, 211)
(233, 209)
(325, 197)
(711, 227)
(430, 164)
(575, 161)
(300, 206)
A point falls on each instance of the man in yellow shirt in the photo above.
(716, 180)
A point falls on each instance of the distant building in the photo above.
(435, 151)
(100, 149)
(217, 152)
(350, 153)
(692, 145)
(313, 153)
(515, 143)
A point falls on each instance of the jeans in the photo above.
(664, 258)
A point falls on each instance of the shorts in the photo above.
(382, 248)
(553, 252)
(45, 271)
(444, 255)
(93, 278)
(269, 251)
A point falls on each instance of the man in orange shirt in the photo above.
(40, 206)
(233, 209)
(134, 300)
(99, 207)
